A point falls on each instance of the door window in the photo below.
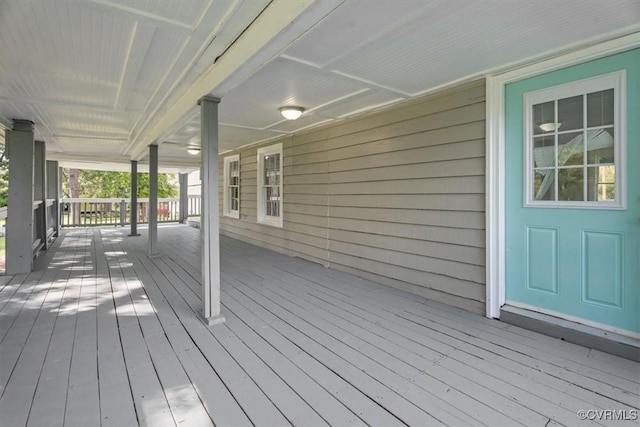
(574, 144)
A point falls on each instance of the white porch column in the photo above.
(183, 180)
(134, 199)
(53, 192)
(210, 222)
(20, 204)
(153, 200)
(39, 192)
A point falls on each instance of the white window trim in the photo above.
(226, 209)
(262, 216)
(495, 146)
(615, 81)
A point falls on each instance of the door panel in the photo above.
(569, 258)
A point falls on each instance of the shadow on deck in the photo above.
(101, 334)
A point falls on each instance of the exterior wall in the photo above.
(396, 196)
(194, 184)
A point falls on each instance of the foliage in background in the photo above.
(101, 184)
(97, 183)
(4, 178)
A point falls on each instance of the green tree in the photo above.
(101, 184)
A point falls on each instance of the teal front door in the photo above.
(573, 193)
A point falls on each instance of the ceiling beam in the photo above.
(142, 16)
(53, 103)
(122, 163)
(87, 158)
(141, 39)
(204, 41)
(64, 132)
(217, 17)
(275, 18)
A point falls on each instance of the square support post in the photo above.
(153, 200)
(53, 193)
(134, 198)
(39, 192)
(183, 180)
(60, 195)
(19, 241)
(209, 227)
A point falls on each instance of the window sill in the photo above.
(234, 215)
(271, 222)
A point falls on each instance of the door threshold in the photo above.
(587, 336)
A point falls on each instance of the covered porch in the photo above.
(100, 333)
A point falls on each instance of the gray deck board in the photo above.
(447, 337)
(400, 301)
(116, 403)
(83, 400)
(394, 403)
(254, 402)
(286, 359)
(365, 357)
(215, 397)
(4, 281)
(447, 318)
(27, 367)
(48, 406)
(416, 362)
(293, 408)
(183, 401)
(481, 394)
(12, 284)
(451, 362)
(149, 397)
(14, 302)
(101, 334)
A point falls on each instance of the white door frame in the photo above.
(495, 159)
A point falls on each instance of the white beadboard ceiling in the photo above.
(103, 77)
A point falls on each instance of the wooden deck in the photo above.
(102, 335)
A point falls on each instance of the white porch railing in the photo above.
(82, 212)
(51, 217)
(194, 206)
(3, 217)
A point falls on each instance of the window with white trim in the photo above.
(575, 148)
(270, 204)
(231, 200)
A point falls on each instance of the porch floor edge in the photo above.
(605, 341)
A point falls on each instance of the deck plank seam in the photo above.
(46, 356)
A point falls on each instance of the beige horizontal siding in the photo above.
(431, 281)
(424, 155)
(459, 236)
(451, 219)
(396, 196)
(449, 185)
(413, 246)
(453, 202)
(419, 262)
(349, 132)
(448, 168)
(466, 302)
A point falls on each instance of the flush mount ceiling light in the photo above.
(549, 126)
(291, 113)
(194, 151)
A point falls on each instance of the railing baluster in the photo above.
(79, 212)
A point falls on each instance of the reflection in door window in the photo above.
(572, 144)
